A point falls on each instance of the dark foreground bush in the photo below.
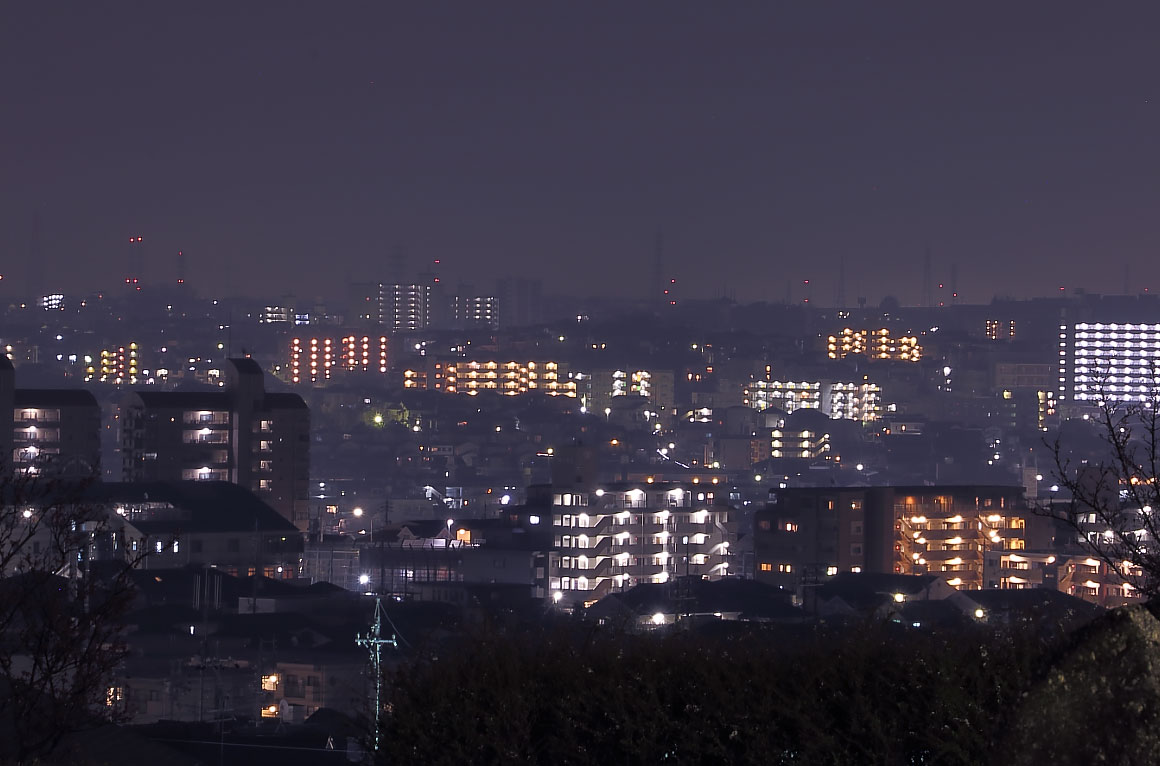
(871, 693)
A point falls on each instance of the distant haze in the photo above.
(289, 148)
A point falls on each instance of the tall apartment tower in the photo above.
(1107, 361)
(243, 434)
(405, 308)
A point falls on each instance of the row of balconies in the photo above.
(611, 525)
(632, 546)
(612, 566)
(611, 544)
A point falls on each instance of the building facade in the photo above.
(877, 344)
(808, 534)
(242, 434)
(509, 377)
(48, 430)
(859, 400)
(612, 538)
(319, 358)
(1110, 362)
(600, 388)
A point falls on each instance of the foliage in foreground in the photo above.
(60, 623)
(874, 693)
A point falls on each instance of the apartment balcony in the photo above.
(606, 567)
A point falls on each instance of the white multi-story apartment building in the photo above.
(1108, 362)
(849, 400)
(622, 535)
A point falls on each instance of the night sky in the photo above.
(293, 147)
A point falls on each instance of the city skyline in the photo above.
(287, 150)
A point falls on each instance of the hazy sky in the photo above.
(287, 147)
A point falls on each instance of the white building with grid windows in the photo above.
(849, 400)
(613, 538)
(1108, 362)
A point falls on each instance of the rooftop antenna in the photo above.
(374, 643)
(954, 284)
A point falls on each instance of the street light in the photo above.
(370, 531)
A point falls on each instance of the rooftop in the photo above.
(54, 397)
(198, 506)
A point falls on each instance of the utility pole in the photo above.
(374, 643)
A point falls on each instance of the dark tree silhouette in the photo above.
(60, 611)
(870, 693)
(1112, 498)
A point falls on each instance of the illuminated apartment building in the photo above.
(117, 365)
(1024, 411)
(1019, 570)
(509, 378)
(42, 429)
(475, 311)
(415, 379)
(807, 534)
(51, 302)
(242, 434)
(946, 531)
(404, 307)
(316, 359)
(277, 315)
(874, 344)
(623, 535)
(808, 445)
(1108, 362)
(996, 329)
(1093, 580)
(849, 400)
(598, 388)
(785, 395)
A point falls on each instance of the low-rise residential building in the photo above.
(214, 524)
(510, 377)
(447, 560)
